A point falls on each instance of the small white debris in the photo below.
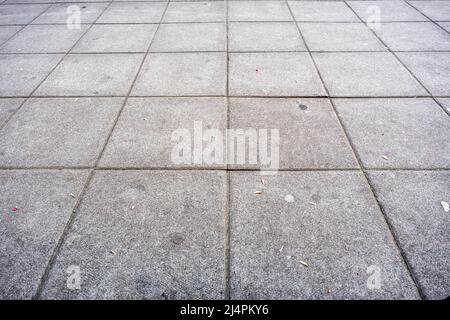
(445, 205)
(132, 207)
(288, 257)
(312, 203)
(263, 181)
(282, 247)
(113, 252)
(72, 195)
(385, 157)
(145, 119)
(289, 198)
(304, 263)
(257, 192)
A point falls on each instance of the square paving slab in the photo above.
(35, 207)
(431, 68)
(340, 37)
(92, 75)
(20, 74)
(258, 11)
(146, 235)
(392, 10)
(133, 12)
(397, 133)
(435, 10)
(311, 235)
(117, 38)
(8, 107)
(44, 39)
(273, 74)
(412, 202)
(366, 74)
(309, 132)
(322, 11)
(144, 134)
(264, 36)
(182, 74)
(58, 132)
(7, 32)
(190, 37)
(61, 12)
(205, 11)
(21, 14)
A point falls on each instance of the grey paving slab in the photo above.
(445, 25)
(445, 102)
(7, 107)
(431, 68)
(20, 14)
(273, 74)
(62, 12)
(143, 136)
(91, 75)
(7, 32)
(376, 11)
(30, 234)
(117, 38)
(133, 12)
(413, 36)
(366, 74)
(397, 133)
(175, 229)
(190, 37)
(412, 203)
(340, 237)
(435, 10)
(258, 11)
(58, 132)
(264, 36)
(21, 74)
(206, 11)
(340, 37)
(308, 139)
(178, 74)
(44, 39)
(323, 11)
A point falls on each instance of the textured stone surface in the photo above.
(58, 12)
(411, 133)
(309, 139)
(20, 14)
(366, 74)
(205, 11)
(435, 10)
(7, 32)
(273, 74)
(339, 237)
(322, 11)
(8, 107)
(412, 202)
(133, 12)
(58, 132)
(169, 246)
(178, 74)
(30, 233)
(258, 11)
(92, 75)
(143, 136)
(392, 10)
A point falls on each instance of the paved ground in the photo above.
(94, 206)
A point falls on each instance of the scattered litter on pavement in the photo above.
(257, 192)
(14, 209)
(145, 119)
(301, 106)
(304, 263)
(262, 181)
(288, 257)
(113, 252)
(289, 198)
(132, 207)
(445, 205)
(282, 248)
(312, 203)
(72, 195)
(385, 157)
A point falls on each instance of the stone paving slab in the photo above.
(133, 12)
(190, 37)
(169, 246)
(92, 74)
(207, 11)
(171, 74)
(366, 74)
(115, 38)
(340, 37)
(30, 233)
(413, 36)
(435, 10)
(7, 32)
(397, 133)
(57, 13)
(386, 11)
(338, 237)
(317, 11)
(258, 11)
(8, 107)
(431, 68)
(273, 74)
(20, 14)
(264, 36)
(21, 74)
(412, 202)
(309, 139)
(78, 130)
(143, 135)
(43, 39)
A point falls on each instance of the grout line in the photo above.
(431, 20)
(400, 61)
(51, 69)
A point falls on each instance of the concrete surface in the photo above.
(359, 91)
